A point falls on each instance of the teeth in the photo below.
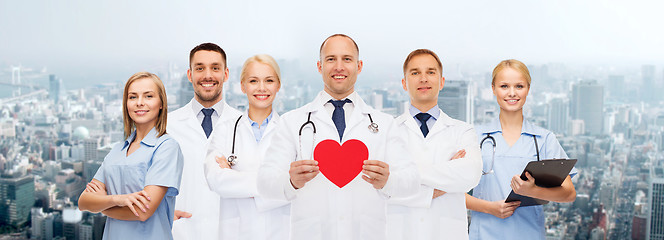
(207, 84)
(339, 77)
(511, 101)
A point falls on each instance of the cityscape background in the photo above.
(596, 66)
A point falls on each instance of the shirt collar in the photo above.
(149, 140)
(526, 127)
(434, 111)
(326, 97)
(218, 107)
(265, 122)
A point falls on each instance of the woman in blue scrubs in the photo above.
(515, 146)
(137, 183)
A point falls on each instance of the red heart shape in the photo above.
(340, 163)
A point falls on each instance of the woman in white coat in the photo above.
(237, 151)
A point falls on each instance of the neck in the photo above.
(142, 131)
(208, 104)
(423, 107)
(337, 96)
(259, 114)
(511, 121)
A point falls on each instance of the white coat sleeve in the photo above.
(228, 183)
(404, 179)
(273, 178)
(458, 175)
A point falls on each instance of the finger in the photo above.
(186, 215)
(304, 162)
(372, 175)
(218, 159)
(369, 180)
(138, 203)
(375, 169)
(376, 163)
(144, 200)
(306, 169)
(144, 193)
(529, 177)
(463, 154)
(513, 204)
(131, 207)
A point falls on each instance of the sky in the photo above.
(98, 41)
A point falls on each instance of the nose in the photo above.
(208, 74)
(140, 101)
(512, 92)
(338, 66)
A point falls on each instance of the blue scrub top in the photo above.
(526, 222)
(158, 161)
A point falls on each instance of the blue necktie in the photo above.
(338, 116)
(423, 117)
(207, 121)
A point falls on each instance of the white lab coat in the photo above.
(320, 210)
(419, 216)
(195, 196)
(244, 214)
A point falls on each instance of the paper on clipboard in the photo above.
(547, 173)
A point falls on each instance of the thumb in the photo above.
(529, 177)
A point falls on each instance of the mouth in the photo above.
(339, 77)
(423, 89)
(208, 84)
(262, 96)
(512, 101)
(141, 112)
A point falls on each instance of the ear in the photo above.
(189, 75)
(404, 84)
(320, 67)
(442, 83)
(359, 66)
(493, 89)
(242, 86)
(226, 74)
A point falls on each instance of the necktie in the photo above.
(207, 121)
(423, 117)
(338, 116)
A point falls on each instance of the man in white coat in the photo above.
(322, 206)
(446, 153)
(196, 207)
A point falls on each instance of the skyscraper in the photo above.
(186, 92)
(655, 225)
(616, 87)
(557, 116)
(17, 195)
(649, 88)
(588, 105)
(456, 100)
(55, 88)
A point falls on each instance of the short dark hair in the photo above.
(338, 35)
(208, 47)
(418, 52)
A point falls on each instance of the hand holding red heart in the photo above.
(302, 171)
(376, 173)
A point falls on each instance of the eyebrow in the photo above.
(143, 92)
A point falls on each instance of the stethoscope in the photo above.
(373, 127)
(232, 159)
(493, 155)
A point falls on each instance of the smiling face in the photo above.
(511, 89)
(423, 81)
(339, 65)
(207, 74)
(143, 103)
(261, 84)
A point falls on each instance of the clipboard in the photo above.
(547, 173)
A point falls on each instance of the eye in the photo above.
(199, 69)
(504, 86)
(348, 59)
(132, 97)
(149, 96)
(432, 72)
(270, 80)
(414, 73)
(215, 68)
(329, 59)
(253, 81)
(519, 86)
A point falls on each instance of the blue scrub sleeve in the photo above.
(553, 149)
(166, 167)
(100, 175)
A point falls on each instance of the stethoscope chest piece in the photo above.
(373, 127)
(232, 160)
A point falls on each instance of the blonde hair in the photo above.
(513, 64)
(129, 124)
(264, 59)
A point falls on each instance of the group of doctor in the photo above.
(252, 174)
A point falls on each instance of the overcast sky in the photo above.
(92, 39)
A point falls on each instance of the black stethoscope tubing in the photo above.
(493, 157)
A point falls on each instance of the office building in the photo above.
(456, 100)
(587, 104)
(17, 196)
(655, 224)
